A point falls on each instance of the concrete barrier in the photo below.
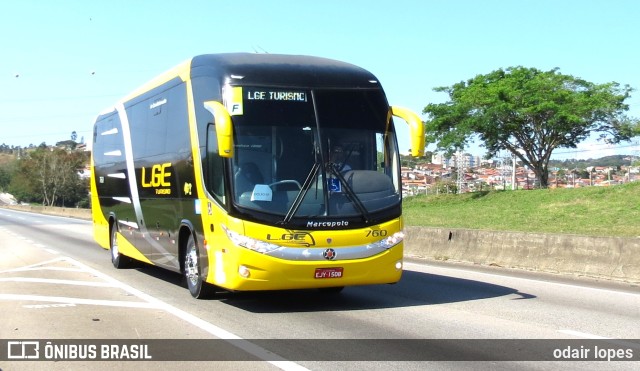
(614, 258)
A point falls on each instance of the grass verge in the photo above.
(594, 211)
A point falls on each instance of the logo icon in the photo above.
(23, 350)
(329, 254)
(293, 239)
(335, 185)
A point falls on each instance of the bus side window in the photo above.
(214, 166)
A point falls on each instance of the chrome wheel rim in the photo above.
(191, 266)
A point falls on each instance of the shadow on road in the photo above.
(414, 289)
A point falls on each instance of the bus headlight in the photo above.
(389, 242)
(250, 243)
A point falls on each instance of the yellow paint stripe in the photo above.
(195, 145)
(100, 224)
(182, 70)
(125, 247)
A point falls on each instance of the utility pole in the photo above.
(504, 172)
(514, 186)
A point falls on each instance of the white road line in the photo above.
(216, 331)
(41, 264)
(62, 269)
(44, 306)
(581, 334)
(150, 302)
(584, 335)
(62, 299)
(416, 265)
(56, 282)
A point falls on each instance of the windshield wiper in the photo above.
(303, 192)
(307, 185)
(350, 193)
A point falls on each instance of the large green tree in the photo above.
(50, 176)
(529, 113)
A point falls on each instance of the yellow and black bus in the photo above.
(254, 172)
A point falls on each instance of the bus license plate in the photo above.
(329, 272)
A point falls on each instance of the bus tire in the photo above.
(193, 271)
(117, 259)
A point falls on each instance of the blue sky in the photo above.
(75, 58)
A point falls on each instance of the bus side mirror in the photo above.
(224, 128)
(416, 129)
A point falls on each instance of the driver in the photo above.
(338, 159)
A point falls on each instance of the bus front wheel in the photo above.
(193, 273)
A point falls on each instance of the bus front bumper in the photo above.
(245, 270)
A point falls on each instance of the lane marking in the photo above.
(56, 281)
(417, 265)
(44, 306)
(62, 269)
(214, 330)
(43, 266)
(585, 335)
(67, 300)
(582, 334)
(50, 261)
(70, 228)
(149, 302)
(574, 333)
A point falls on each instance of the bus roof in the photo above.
(279, 69)
(254, 69)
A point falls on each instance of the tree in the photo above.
(446, 186)
(5, 179)
(50, 177)
(529, 113)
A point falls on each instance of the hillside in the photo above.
(613, 161)
(6, 158)
(596, 211)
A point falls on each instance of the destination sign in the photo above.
(276, 95)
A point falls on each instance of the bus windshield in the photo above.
(319, 154)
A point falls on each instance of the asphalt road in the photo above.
(56, 283)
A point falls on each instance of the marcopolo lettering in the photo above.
(327, 224)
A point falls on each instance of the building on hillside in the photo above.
(465, 160)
